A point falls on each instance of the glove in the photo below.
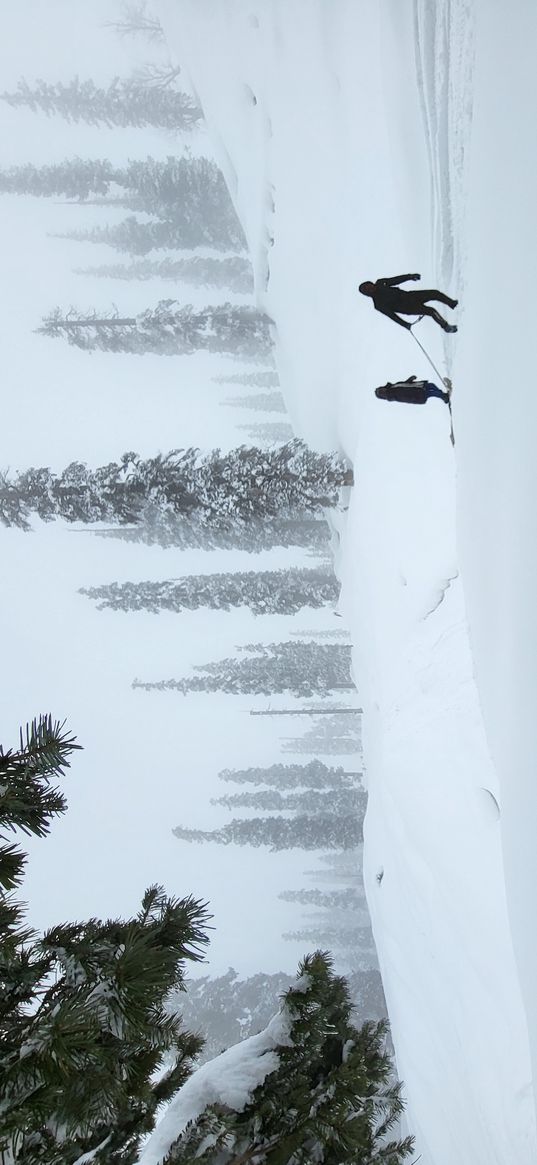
(415, 277)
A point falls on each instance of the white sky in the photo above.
(149, 760)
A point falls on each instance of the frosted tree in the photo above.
(340, 801)
(160, 526)
(264, 592)
(304, 831)
(301, 668)
(75, 178)
(347, 899)
(264, 402)
(269, 433)
(229, 1009)
(267, 379)
(153, 182)
(244, 484)
(188, 194)
(314, 775)
(328, 1093)
(233, 272)
(359, 938)
(83, 1022)
(124, 102)
(167, 330)
(333, 735)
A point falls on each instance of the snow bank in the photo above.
(344, 132)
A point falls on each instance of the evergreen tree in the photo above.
(75, 178)
(123, 102)
(356, 938)
(251, 379)
(301, 668)
(265, 592)
(167, 330)
(303, 831)
(331, 633)
(233, 272)
(347, 899)
(314, 775)
(229, 1009)
(188, 194)
(331, 1098)
(217, 489)
(265, 402)
(333, 735)
(163, 527)
(82, 1021)
(274, 433)
(338, 801)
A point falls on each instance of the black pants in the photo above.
(416, 303)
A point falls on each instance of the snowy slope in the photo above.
(345, 134)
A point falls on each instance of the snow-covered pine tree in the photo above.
(330, 1098)
(314, 775)
(305, 831)
(229, 1009)
(269, 433)
(332, 735)
(340, 801)
(232, 272)
(75, 178)
(265, 592)
(305, 669)
(356, 938)
(263, 402)
(161, 526)
(124, 102)
(218, 489)
(267, 379)
(133, 236)
(342, 900)
(157, 183)
(82, 1021)
(167, 330)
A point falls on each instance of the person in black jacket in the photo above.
(411, 391)
(389, 298)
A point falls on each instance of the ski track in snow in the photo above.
(344, 133)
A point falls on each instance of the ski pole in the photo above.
(445, 379)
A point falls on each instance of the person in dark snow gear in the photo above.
(411, 391)
(389, 298)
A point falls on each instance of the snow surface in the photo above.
(360, 139)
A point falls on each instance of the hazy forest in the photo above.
(187, 579)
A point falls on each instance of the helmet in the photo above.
(366, 288)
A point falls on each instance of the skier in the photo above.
(411, 391)
(389, 298)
